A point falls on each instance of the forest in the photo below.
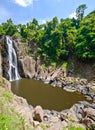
(57, 40)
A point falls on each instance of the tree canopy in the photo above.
(57, 40)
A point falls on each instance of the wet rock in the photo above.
(4, 53)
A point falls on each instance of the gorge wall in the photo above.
(28, 67)
(11, 52)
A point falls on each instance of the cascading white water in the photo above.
(13, 67)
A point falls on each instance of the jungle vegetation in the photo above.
(57, 40)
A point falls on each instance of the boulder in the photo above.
(38, 114)
(27, 67)
(89, 117)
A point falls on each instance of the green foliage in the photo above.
(53, 64)
(43, 66)
(85, 45)
(63, 54)
(1, 81)
(80, 11)
(10, 122)
(57, 40)
(35, 21)
(8, 96)
(17, 35)
(64, 65)
(93, 126)
(2, 30)
(9, 118)
(9, 28)
(44, 127)
(72, 127)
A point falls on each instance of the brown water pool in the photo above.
(39, 93)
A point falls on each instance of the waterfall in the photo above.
(12, 57)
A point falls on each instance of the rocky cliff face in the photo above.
(0, 64)
(32, 68)
(81, 113)
(4, 53)
(4, 56)
(21, 48)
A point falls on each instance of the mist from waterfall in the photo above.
(12, 57)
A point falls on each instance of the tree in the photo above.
(55, 22)
(35, 22)
(9, 27)
(80, 11)
(85, 45)
(2, 31)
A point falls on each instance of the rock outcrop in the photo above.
(4, 53)
(89, 117)
(31, 68)
(4, 56)
(38, 114)
(21, 48)
(81, 114)
(27, 67)
(0, 64)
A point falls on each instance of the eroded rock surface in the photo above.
(38, 114)
(80, 114)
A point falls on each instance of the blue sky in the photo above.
(22, 11)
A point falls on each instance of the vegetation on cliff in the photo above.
(9, 118)
(57, 40)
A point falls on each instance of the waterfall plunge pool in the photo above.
(38, 93)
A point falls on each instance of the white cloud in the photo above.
(73, 15)
(42, 21)
(23, 3)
